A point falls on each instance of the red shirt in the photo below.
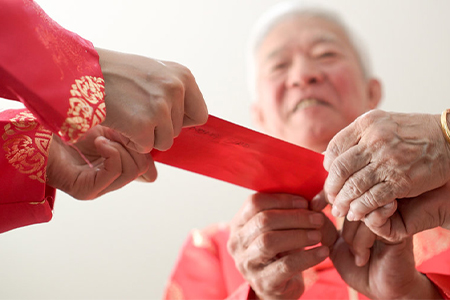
(56, 74)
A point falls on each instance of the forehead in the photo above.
(302, 32)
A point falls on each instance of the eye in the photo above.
(280, 66)
(327, 54)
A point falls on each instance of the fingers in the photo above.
(341, 142)
(148, 101)
(360, 239)
(378, 196)
(268, 245)
(329, 233)
(269, 221)
(151, 174)
(195, 110)
(133, 164)
(319, 202)
(260, 202)
(103, 175)
(342, 180)
(276, 273)
(342, 170)
(380, 216)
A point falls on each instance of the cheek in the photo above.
(272, 92)
(350, 89)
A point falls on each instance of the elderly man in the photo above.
(311, 81)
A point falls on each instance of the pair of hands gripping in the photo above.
(392, 171)
(274, 238)
(147, 102)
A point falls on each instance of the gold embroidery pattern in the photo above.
(86, 108)
(25, 152)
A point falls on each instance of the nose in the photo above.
(304, 72)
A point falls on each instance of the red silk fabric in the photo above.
(56, 74)
(53, 71)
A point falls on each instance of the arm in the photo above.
(23, 160)
(69, 99)
(147, 101)
(33, 164)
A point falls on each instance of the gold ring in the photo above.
(444, 125)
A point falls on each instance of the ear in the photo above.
(375, 93)
(257, 115)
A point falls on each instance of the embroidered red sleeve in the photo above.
(24, 148)
(53, 71)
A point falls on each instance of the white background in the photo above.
(123, 245)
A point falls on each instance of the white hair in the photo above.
(285, 10)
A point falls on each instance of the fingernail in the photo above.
(314, 236)
(389, 205)
(316, 219)
(299, 202)
(350, 216)
(359, 261)
(316, 197)
(335, 212)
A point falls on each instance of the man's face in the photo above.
(310, 84)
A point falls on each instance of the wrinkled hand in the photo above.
(113, 165)
(383, 156)
(390, 271)
(413, 215)
(267, 240)
(358, 236)
(149, 101)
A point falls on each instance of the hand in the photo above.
(358, 236)
(113, 165)
(267, 240)
(149, 101)
(429, 210)
(383, 156)
(390, 272)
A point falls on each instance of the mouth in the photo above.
(305, 103)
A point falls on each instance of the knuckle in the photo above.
(263, 244)
(401, 186)
(353, 187)
(176, 88)
(370, 118)
(340, 169)
(254, 202)
(262, 220)
(369, 200)
(231, 245)
(286, 266)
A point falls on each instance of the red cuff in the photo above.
(14, 215)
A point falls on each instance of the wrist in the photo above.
(423, 288)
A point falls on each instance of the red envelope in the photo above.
(238, 155)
